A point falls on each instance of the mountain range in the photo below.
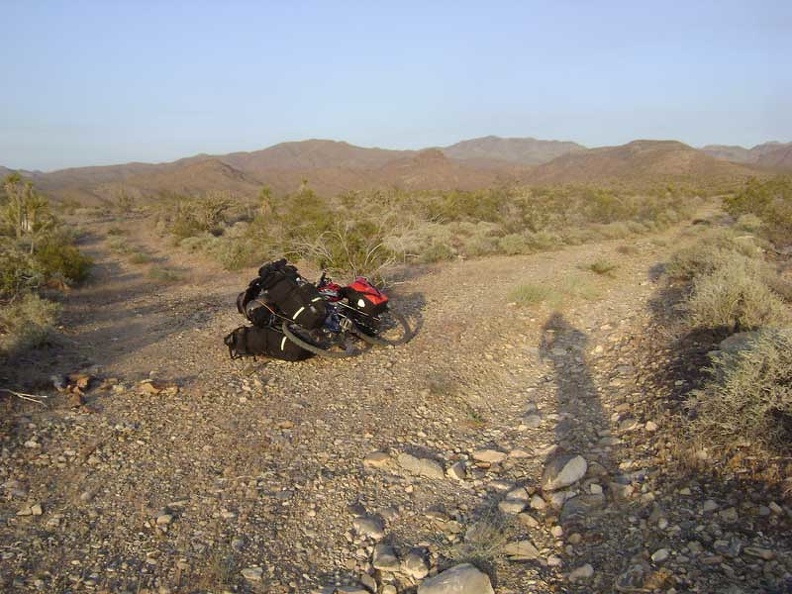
(331, 167)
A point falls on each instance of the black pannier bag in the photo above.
(252, 341)
(279, 289)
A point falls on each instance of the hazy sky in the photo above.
(93, 82)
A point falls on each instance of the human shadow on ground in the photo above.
(581, 418)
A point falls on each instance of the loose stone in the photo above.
(460, 579)
(563, 472)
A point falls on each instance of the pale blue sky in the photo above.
(94, 82)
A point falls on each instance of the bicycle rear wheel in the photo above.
(320, 343)
(391, 328)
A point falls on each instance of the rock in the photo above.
(631, 580)
(421, 466)
(369, 526)
(460, 579)
(376, 460)
(528, 520)
(578, 508)
(765, 554)
(457, 471)
(253, 574)
(582, 573)
(512, 507)
(538, 503)
(563, 472)
(384, 558)
(489, 456)
(729, 515)
(660, 555)
(521, 550)
(414, 564)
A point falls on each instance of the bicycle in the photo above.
(355, 312)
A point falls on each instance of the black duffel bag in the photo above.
(253, 341)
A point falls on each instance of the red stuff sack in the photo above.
(365, 297)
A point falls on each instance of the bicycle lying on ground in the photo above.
(355, 312)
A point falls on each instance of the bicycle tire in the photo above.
(314, 346)
(393, 329)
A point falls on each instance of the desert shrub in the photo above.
(487, 538)
(750, 394)
(712, 251)
(26, 322)
(770, 201)
(163, 274)
(187, 216)
(513, 244)
(543, 240)
(735, 297)
(56, 257)
(18, 273)
(602, 266)
(139, 257)
(34, 247)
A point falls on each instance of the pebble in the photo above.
(253, 574)
(660, 555)
(582, 573)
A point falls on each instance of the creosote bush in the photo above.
(363, 232)
(771, 202)
(36, 251)
(750, 395)
(734, 297)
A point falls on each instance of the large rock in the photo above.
(421, 466)
(563, 472)
(460, 579)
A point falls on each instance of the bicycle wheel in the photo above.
(320, 343)
(391, 328)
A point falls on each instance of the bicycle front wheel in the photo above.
(391, 328)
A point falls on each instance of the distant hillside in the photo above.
(639, 161)
(519, 151)
(773, 155)
(312, 154)
(332, 167)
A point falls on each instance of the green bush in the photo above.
(56, 257)
(750, 394)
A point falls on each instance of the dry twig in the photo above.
(29, 397)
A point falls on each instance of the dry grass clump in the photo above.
(750, 395)
(602, 266)
(569, 287)
(528, 294)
